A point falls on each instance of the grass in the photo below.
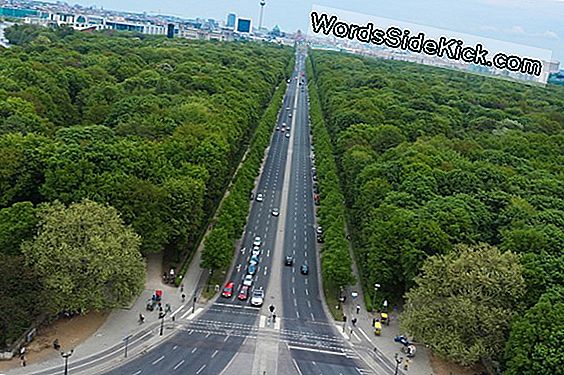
(332, 303)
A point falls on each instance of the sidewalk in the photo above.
(124, 322)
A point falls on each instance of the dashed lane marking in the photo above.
(178, 365)
(158, 360)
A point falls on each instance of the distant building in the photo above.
(231, 19)
(170, 31)
(243, 25)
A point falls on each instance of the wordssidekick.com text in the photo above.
(395, 37)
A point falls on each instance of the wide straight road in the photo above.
(231, 337)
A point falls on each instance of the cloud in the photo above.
(550, 34)
(516, 30)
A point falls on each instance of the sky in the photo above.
(536, 23)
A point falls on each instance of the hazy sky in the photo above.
(538, 23)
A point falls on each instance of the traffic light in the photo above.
(271, 308)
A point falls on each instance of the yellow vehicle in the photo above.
(377, 328)
(384, 318)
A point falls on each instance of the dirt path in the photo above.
(70, 333)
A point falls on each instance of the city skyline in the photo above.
(537, 24)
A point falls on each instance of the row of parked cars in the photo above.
(257, 296)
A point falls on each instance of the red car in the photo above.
(243, 293)
(228, 290)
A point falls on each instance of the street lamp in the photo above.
(398, 361)
(126, 339)
(376, 287)
(66, 357)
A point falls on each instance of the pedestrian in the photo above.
(141, 318)
(273, 318)
(183, 297)
(353, 321)
(357, 309)
(56, 344)
(181, 287)
(373, 321)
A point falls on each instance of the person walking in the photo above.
(183, 297)
(357, 309)
(182, 288)
(353, 321)
(141, 318)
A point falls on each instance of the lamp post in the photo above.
(66, 356)
(376, 287)
(398, 361)
(126, 339)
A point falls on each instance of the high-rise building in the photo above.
(243, 25)
(170, 30)
(231, 19)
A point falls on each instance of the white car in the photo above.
(256, 251)
(287, 135)
(319, 230)
(258, 298)
(287, 108)
(260, 197)
(248, 280)
(275, 212)
(257, 241)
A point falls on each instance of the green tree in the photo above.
(464, 301)
(535, 341)
(85, 257)
(17, 224)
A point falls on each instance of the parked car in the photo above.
(278, 128)
(260, 197)
(257, 241)
(319, 230)
(289, 261)
(256, 251)
(243, 293)
(252, 268)
(248, 280)
(258, 297)
(228, 290)
(304, 269)
(320, 238)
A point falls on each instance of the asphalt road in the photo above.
(232, 337)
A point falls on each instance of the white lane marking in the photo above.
(308, 304)
(265, 268)
(312, 317)
(297, 314)
(293, 290)
(356, 336)
(295, 302)
(365, 335)
(214, 353)
(177, 311)
(178, 365)
(305, 254)
(307, 292)
(208, 335)
(293, 278)
(137, 372)
(175, 347)
(194, 350)
(201, 369)
(268, 253)
(158, 360)
(305, 280)
(262, 321)
(226, 338)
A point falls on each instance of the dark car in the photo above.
(304, 269)
(320, 238)
(289, 261)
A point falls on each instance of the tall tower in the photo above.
(262, 4)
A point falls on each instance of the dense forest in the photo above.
(454, 186)
(145, 132)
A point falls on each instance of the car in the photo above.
(304, 269)
(288, 128)
(252, 268)
(320, 238)
(260, 197)
(277, 128)
(243, 293)
(257, 298)
(289, 261)
(319, 230)
(287, 108)
(257, 241)
(283, 125)
(275, 212)
(248, 280)
(228, 290)
(256, 251)
(287, 135)
(254, 260)
(289, 115)
(283, 130)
